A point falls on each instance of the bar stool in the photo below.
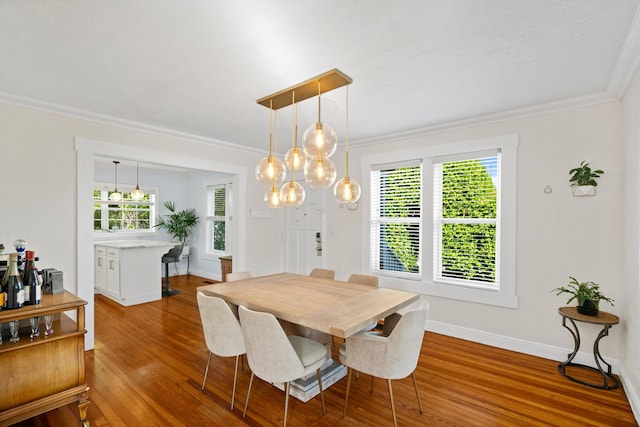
(172, 256)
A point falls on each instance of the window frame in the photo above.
(209, 219)
(105, 187)
(505, 295)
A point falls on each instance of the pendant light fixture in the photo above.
(116, 196)
(272, 196)
(137, 193)
(347, 190)
(292, 192)
(270, 169)
(319, 141)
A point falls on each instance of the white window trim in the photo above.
(229, 228)
(126, 188)
(506, 296)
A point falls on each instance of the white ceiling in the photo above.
(196, 67)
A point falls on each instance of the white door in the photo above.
(304, 234)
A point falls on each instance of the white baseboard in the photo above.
(632, 394)
(207, 275)
(515, 344)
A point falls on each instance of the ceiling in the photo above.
(197, 67)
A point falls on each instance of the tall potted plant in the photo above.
(179, 224)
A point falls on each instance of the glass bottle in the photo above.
(32, 289)
(12, 285)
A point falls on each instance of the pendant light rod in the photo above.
(346, 133)
(331, 80)
(115, 162)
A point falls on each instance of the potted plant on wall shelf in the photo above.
(587, 294)
(179, 224)
(583, 180)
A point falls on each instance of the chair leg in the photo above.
(393, 406)
(246, 404)
(321, 392)
(206, 371)
(415, 386)
(286, 403)
(235, 377)
(346, 396)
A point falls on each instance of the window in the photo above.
(126, 216)
(445, 223)
(465, 220)
(218, 222)
(396, 219)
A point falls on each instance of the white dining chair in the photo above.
(390, 357)
(222, 333)
(323, 272)
(238, 275)
(275, 357)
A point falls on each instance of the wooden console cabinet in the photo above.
(44, 373)
(226, 266)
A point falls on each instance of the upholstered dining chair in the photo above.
(238, 275)
(277, 358)
(390, 357)
(222, 333)
(323, 272)
(364, 279)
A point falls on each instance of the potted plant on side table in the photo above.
(587, 294)
(583, 180)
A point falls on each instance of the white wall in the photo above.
(631, 304)
(557, 235)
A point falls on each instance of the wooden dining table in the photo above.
(338, 308)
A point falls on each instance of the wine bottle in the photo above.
(12, 285)
(30, 282)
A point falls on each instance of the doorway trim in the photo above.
(86, 151)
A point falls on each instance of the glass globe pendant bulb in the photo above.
(319, 139)
(270, 170)
(320, 172)
(116, 196)
(137, 193)
(296, 158)
(292, 193)
(272, 197)
(347, 190)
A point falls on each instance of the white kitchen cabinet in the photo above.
(100, 272)
(133, 270)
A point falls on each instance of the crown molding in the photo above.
(49, 107)
(628, 60)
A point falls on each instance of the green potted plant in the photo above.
(587, 294)
(583, 179)
(179, 224)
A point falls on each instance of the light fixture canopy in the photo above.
(137, 193)
(116, 196)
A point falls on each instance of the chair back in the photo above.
(269, 352)
(323, 272)
(238, 275)
(222, 331)
(364, 279)
(173, 255)
(405, 342)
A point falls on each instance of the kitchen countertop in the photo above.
(134, 243)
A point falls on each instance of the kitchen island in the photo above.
(129, 271)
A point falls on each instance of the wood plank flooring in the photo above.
(148, 362)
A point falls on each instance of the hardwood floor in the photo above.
(148, 362)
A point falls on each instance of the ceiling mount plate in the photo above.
(308, 89)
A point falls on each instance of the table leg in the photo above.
(606, 375)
